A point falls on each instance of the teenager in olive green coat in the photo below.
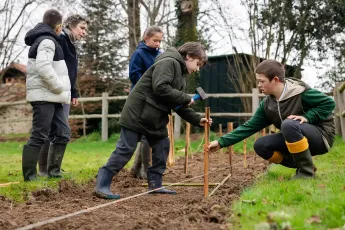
(146, 112)
(303, 115)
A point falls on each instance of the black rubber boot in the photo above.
(145, 158)
(102, 189)
(43, 158)
(136, 167)
(55, 156)
(29, 162)
(305, 166)
(154, 182)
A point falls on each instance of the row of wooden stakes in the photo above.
(171, 158)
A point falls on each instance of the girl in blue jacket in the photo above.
(141, 60)
(145, 54)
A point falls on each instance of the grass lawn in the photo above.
(296, 204)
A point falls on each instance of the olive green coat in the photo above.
(158, 91)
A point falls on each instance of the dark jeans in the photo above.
(49, 116)
(126, 146)
(52, 132)
(291, 131)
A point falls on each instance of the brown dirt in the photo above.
(186, 210)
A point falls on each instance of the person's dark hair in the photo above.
(271, 69)
(73, 20)
(194, 50)
(150, 31)
(52, 18)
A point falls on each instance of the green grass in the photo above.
(298, 204)
(82, 160)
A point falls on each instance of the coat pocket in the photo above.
(154, 115)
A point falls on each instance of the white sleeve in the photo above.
(44, 65)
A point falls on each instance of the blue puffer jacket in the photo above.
(141, 60)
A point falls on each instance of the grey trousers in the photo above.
(49, 117)
(127, 144)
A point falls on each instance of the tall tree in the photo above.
(187, 14)
(133, 12)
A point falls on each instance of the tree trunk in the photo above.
(187, 12)
(133, 12)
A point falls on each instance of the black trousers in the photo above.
(126, 146)
(49, 116)
(291, 131)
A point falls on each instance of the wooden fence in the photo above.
(177, 120)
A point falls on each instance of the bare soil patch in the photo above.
(186, 210)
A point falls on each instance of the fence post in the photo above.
(105, 111)
(255, 99)
(340, 103)
(337, 113)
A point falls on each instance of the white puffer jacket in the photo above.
(47, 73)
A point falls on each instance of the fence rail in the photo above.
(177, 120)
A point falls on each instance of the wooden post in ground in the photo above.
(177, 126)
(245, 153)
(230, 148)
(105, 110)
(263, 132)
(207, 141)
(220, 134)
(255, 138)
(171, 157)
(186, 147)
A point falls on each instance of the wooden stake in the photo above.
(230, 148)
(8, 184)
(264, 132)
(221, 183)
(207, 141)
(172, 143)
(171, 157)
(245, 153)
(186, 147)
(220, 134)
(256, 137)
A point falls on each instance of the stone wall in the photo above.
(14, 119)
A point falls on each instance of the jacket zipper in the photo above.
(280, 116)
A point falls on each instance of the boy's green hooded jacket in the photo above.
(298, 99)
(158, 91)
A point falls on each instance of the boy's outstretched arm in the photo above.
(255, 124)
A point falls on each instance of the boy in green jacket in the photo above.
(146, 112)
(303, 115)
